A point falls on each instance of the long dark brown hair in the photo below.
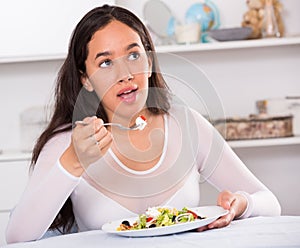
(68, 86)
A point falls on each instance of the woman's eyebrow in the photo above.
(132, 46)
(102, 54)
(107, 53)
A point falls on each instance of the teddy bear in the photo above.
(255, 15)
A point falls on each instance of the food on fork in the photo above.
(141, 122)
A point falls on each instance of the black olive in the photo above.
(126, 223)
(173, 218)
(152, 225)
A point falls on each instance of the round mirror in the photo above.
(159, 18)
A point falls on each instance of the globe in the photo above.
(205, 14)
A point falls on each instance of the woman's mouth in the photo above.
(128, 95)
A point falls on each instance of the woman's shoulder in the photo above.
(187, 112)
(60, 138)
(192, 122)
(52, 150)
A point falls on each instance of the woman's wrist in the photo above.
(242, 206)
(70, 162)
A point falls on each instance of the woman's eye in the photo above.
(133, 56)
(106, 63)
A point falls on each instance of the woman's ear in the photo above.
(86, 83)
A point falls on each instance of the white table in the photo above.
(283, 231)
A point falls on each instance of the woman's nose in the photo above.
(123, 70)
(126, 78)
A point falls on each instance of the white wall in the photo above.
(23, 85)
(34, 27)
(31, 29)
(243, 76)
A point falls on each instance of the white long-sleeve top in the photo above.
(193, 152)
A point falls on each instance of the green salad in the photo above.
(159, 217)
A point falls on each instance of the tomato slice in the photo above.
(194, 214)
(149, 219)
(143, 117)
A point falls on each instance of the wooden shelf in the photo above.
(265, 142)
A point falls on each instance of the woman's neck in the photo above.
(140, 150)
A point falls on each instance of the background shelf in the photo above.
(271, 42)
(8, 156)
(230, 45)
(265, 142)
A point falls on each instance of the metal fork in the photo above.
(133, 127)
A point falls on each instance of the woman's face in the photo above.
(118, 69)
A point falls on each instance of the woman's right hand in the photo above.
(89, 143)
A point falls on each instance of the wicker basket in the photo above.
(255, 127)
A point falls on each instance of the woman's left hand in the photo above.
(235, 203)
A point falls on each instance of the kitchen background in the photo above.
(34, 40)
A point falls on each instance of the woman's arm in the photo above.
(48, 188)
(232, 175)
(56, 173)
(241, 192)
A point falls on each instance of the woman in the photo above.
(86, 174)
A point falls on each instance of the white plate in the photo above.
(210, 212)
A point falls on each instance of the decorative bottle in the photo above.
(269, 25)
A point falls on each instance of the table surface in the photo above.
(282, 231)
